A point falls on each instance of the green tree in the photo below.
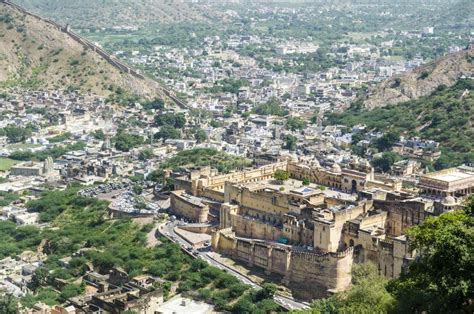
(441, 279)
(145, 154)
(8, 304)
(295, 123)
(200, 135)
(167, 132)
(281, 175)
(171, 119)
(137, 189)
(71, 290)
(367, 294)
(306, 181)
(385, 162)
(290, 142)
(387, 141)
(17, 134)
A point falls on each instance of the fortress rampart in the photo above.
(121, 66)
(317, 273)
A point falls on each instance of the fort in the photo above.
(306, 236)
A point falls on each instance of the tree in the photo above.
(137, 189)
(156, 103)
(124, 141)
(16, 134)
(385, 162)
(167, 132)
(306, 181)
(171, 119)
(200, 135)
(295, 123)
(8, 304)
(366, 295)
(281, 175)
(290, 142)
(71, 290)
(440, 280)
(387, 141)
(99, 134)
(146, 154)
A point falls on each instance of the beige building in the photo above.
(454, 182)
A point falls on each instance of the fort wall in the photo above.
(317, 273)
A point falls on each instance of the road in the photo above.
(167, 230)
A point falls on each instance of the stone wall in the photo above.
(315, 273)
(402, 214)
(182, 206)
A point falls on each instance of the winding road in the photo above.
(167, 229)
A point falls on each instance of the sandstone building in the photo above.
(308, 237)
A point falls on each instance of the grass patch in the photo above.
(7, 163)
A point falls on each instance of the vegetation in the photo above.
(438, 281)
(167, 132)
(386, 161)
(124, 141)
(273, 107)
(202, 157)
(295, 123)
(6, 163)
(281, 175)
(16, 134)
(366, 295)
(60, 138)
(176, 120)
(55, 152)
(80, 222)
(445, 116)
(290, 142)
(441, 279)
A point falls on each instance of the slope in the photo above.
(108, 13)
(446, 116)
(423, 80)
(35, 54)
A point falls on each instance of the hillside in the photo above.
(422, 81)
(36, 55)
(108, 13)
(446, 116)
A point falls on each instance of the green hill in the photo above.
(446, 116)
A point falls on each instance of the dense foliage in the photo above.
(80, 223)
(201, 157)
(441, 280)
(445, 116)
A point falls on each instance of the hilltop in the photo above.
(109, 13)
(36, 55)
(422, 81)
(446, 116)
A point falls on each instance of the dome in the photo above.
(449, 200)
(336, 168)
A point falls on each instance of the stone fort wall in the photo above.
(318, 274)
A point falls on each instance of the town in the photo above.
(238, 187)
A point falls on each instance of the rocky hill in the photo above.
(422, 81)
(35, 54)
(108, 13)
(446, 116)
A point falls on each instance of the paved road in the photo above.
(167, 229)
